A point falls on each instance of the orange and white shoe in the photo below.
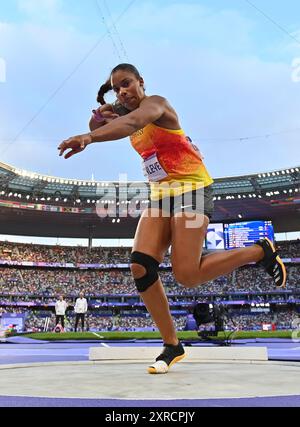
(170, 355)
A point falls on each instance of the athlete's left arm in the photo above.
(150, 110)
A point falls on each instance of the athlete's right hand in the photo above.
(76, 144)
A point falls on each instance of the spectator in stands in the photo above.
(80, 309)
(60, 310)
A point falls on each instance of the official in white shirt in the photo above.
(80, 309)
(60, 310)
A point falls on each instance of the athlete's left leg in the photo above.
(189, 266)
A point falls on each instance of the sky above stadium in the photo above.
(231, 69)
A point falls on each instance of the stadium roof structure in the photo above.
(38, 205)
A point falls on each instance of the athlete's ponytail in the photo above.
(106, 87)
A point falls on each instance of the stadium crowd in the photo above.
(41, 286)
(35, 321)
(49, 282)
(97, 255)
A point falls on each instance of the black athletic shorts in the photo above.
(197, 201)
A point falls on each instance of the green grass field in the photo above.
(187, 335)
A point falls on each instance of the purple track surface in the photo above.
(282, 401)
(25, 350)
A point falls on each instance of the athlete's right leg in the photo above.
(151, 243)
(152, 239)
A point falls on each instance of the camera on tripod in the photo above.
(209, 314)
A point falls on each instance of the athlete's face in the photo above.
(128, 89)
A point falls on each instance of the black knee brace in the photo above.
(151, 266)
